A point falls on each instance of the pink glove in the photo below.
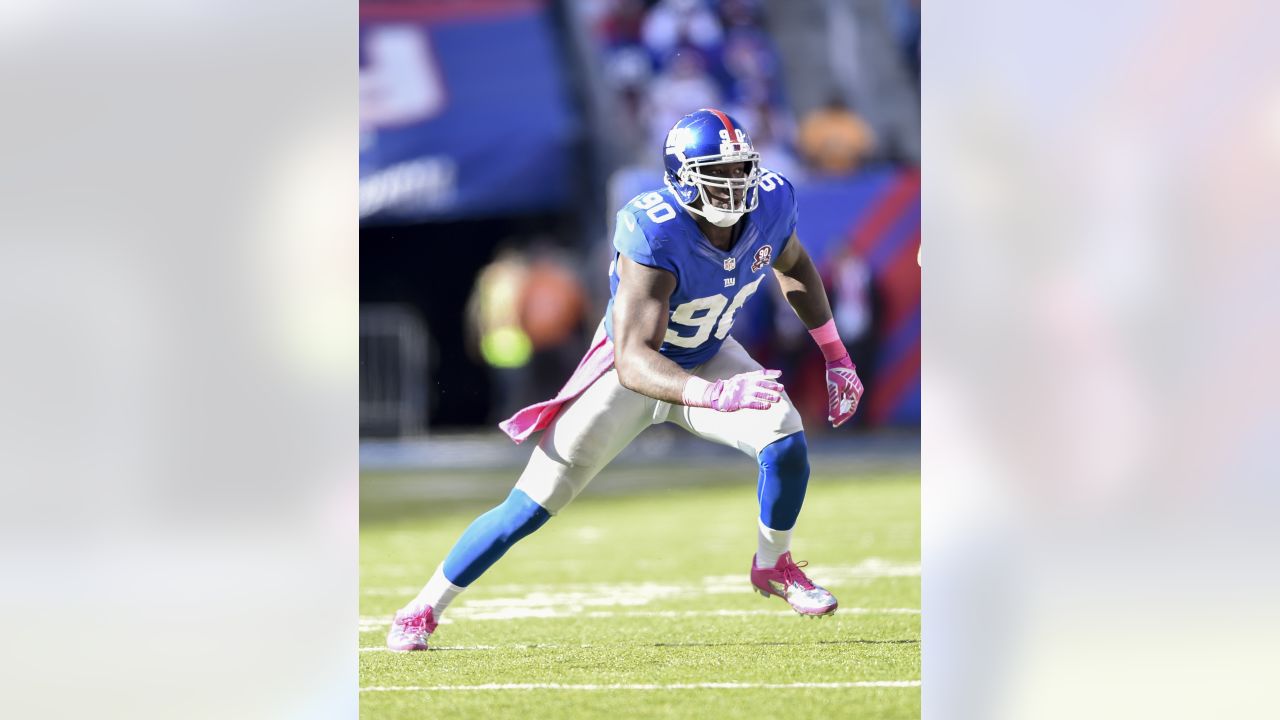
(844, 390)
(752, 391)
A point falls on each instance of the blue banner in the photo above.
(464, 110)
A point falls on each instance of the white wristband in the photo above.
(694, 392)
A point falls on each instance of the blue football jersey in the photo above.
(712, 285)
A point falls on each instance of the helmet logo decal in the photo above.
(678, 139)
(763, 256)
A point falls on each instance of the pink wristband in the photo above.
(694, 392)
(828, 340)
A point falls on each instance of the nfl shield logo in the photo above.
(730, 264)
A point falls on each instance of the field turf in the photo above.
(635, 603)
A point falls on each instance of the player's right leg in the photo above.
(588, 433)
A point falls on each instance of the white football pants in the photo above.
(594, 427)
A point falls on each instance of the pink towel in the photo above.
(530, 420)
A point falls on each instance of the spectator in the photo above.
(621, 23)
(676, 23)
(770, 128)
(739, 13)
(683, 87)
(751, 68)
(629, 71)
(751, 64)
(552, 306)
(494, 331)
(525, 321)
(833, 140)
(905, 15)
(853, 306)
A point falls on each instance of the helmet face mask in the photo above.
(698, 142)
(735, 196)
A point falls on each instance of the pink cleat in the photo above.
(409, 630)
(786, 580)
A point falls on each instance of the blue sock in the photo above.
(491, 535)
(784, 476)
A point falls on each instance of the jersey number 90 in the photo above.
(711, 317)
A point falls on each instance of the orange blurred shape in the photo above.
(552, 302)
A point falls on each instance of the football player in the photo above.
(688, 257)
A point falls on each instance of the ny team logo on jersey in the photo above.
(763, 256)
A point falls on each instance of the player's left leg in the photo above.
(784, 477)
(775, 438)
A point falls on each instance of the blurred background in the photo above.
(499, 137)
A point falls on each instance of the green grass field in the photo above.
(635, 603)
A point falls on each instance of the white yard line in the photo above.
(870, 568)
(599, 600)
(435, 648)
(677, 686)
(368, 623)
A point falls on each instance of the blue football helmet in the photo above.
(710, 137)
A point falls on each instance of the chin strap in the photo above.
(713, 215)
(721, 218)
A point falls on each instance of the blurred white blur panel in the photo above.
(1100, 402)
(178, 401)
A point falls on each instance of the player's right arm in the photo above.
(640, 307)
(639, 326)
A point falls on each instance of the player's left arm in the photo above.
(802, 286)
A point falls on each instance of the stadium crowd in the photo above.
(660, 58)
